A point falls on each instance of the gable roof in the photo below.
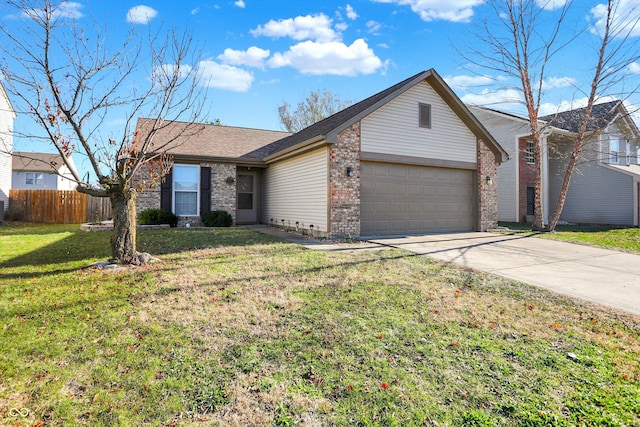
(214, 141)
(36, 162)
(601, 116)
(329, 128)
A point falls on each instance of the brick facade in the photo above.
(223, 192)
(345, 190)
(526, 178)
(487, 188)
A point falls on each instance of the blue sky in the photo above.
(259, 53)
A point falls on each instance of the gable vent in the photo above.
(425, 115)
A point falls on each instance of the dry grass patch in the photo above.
(236, 328)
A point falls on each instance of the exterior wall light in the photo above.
(488, 179)
(350, 172)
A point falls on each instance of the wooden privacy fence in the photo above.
(57, 206)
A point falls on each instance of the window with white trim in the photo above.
(614, 150)
(34, 178)
(530, 153)
(186, 189)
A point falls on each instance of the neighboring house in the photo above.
(41, 171)
(410, 159)
(605, 186)
(7, 116)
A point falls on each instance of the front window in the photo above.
(186, 180)
(614, 150)
(34, 178)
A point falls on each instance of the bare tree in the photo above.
(523, 44)
(315, 107)
(71, 84)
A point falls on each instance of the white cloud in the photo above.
(141, 14)
(447, 10)
(342, 26)
(312, 27)
(195, 11)
(634, 68)
(489, 98)
(66, 9)
(550, 4)
(222, 76)
(335, 58)
(373, 27)
(252, 57)
(240, 4)
(464, 82)
(554, 82)
(351, 13)
(625, 19)
(167, 71)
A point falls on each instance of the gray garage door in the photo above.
(401, 199)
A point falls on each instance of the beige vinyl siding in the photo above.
(296, 190)
(394, 129)
(597, 194)
(507, 132)
(6, 145)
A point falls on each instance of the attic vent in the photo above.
(425, 115)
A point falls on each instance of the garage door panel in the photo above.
(402, 199)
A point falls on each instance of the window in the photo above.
(614, 150)
(34, 178)
(186, 180)
(530, 154)
(425, 115)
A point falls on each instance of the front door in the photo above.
(247, 197)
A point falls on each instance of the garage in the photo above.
(406, 199)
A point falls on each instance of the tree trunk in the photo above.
(123, 240)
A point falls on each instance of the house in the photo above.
(7, 116)
(409, 159)
(41, 171)
(604, 188)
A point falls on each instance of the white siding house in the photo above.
(41, 171)
(7, 116)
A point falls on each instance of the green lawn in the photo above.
(237, 328)
(616, 238)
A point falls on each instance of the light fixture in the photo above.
(488, 179)
(350, 171)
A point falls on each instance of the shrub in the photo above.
(216, 219)
(157, 216)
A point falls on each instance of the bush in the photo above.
(157, 216)
(216, 219)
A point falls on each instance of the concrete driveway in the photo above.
(598, 275)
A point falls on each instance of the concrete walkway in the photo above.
(597, 275)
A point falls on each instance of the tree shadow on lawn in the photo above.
(91, 246)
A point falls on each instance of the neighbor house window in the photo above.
(425, 115)
(614, 150)
(530, 154)
(186, 180)
(34, 178)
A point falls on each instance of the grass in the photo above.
(237, 328)
(608, 237)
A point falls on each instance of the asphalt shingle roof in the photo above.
(36, 162)
(601, 116)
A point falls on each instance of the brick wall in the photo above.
(223, 194)
(345, 190)
(527, 178)
(487, 189)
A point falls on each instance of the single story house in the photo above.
(41, 171)
(7, 116)
(410, 159)
(605, 186)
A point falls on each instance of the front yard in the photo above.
(237, 328)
